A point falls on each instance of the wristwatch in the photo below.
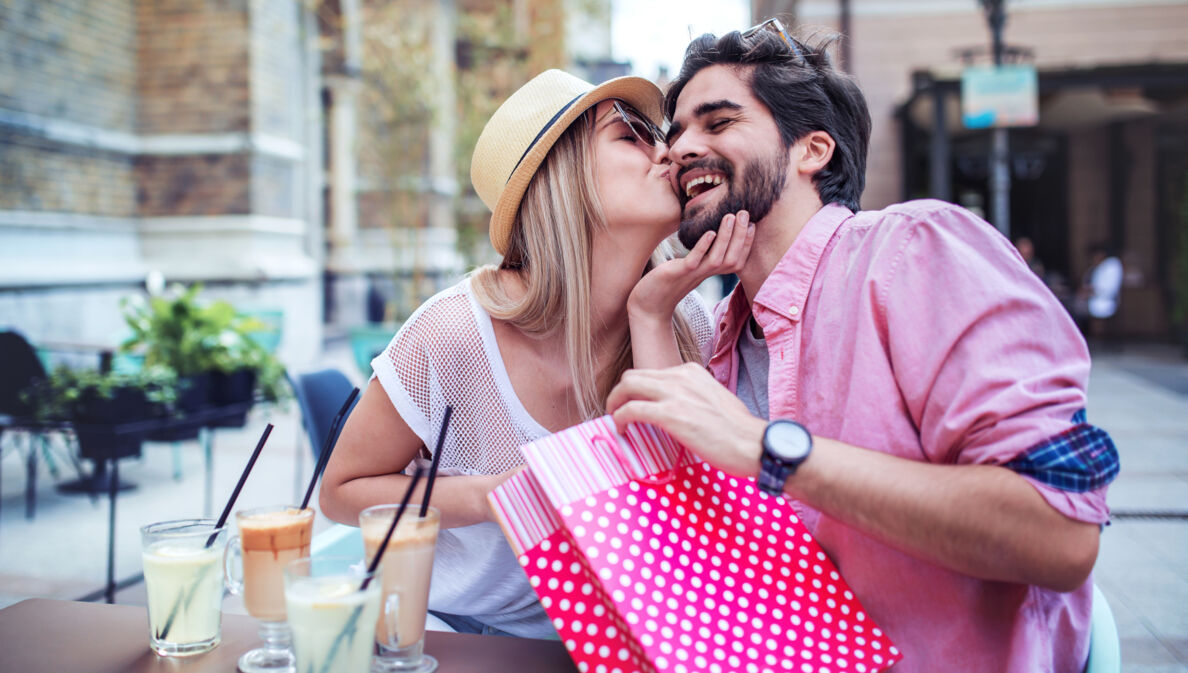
(786, 444)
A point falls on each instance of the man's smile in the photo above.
(694, 182)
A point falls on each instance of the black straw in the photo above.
(239, 487)
(328, 446)
(445, 424)
(379, 553)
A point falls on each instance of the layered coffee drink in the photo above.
(271, 537)
(405, 572)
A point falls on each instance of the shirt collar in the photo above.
(788, 285)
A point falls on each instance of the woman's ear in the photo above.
(816, 149)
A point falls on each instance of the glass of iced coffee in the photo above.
(269, 538)
(331, 612)
(405, 571)
(184, 583)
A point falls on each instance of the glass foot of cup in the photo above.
(268, 661)
(382, 665)
(167, 649)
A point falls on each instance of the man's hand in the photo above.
(694, 408)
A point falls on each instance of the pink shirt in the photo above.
(918, 331)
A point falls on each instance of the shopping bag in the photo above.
(695, 570)
(593, 632)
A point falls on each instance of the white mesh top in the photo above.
(446, 353)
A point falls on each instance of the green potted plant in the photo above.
(95, 402)
(179, 333)
(208, 345)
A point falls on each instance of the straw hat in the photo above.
(522, 131)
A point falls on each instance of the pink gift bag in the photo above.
(649, 560)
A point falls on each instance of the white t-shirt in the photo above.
(1106, 281)
(446, 353)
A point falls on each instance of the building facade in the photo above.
(307, 156)
(1107, 161)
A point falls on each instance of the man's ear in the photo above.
(816, 149)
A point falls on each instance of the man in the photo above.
(940, 452)
(1097, 299)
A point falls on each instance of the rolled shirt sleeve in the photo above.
(993, 366)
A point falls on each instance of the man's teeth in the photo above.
(711, 180)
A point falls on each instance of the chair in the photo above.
(368, 341)
(22, 369)
(1105, 654)
(320, 395)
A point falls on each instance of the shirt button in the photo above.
(794, 311)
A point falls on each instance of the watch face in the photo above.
(788, 441)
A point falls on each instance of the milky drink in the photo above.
(332, 621)
(183, 580)
(405, 570)
(270, 538)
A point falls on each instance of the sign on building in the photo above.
(1005, 95)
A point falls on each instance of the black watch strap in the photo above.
(773, 476)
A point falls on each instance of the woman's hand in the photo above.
(657, 294)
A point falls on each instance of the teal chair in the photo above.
(368, 341)
(1105, 655)
(270, 337)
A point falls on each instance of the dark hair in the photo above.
(803, 92)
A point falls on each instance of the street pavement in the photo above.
(1139, 394)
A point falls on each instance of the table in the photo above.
(47, 636)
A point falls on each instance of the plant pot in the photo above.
(194, 392)
(97, 443)
(236, 387)
(125, 405)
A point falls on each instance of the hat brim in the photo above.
(640, 93)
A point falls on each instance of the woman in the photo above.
(581, 195)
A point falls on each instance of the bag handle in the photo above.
(659, 479)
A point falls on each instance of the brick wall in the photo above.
(81, 54)
(277, 104)
(275, 184)
(213, 184)
(194, 75)
(36, 175)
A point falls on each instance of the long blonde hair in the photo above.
(551, 249)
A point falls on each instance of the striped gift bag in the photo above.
(647, 559)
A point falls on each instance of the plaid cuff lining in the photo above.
(1080, 459)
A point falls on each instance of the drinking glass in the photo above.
(331, 614)
(269, 538)
(185, 588)
(405, 570)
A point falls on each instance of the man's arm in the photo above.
(980, 520)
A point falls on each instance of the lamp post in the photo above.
(1000, 174)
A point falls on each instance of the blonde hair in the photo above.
(550, 248)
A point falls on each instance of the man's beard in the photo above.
(762, 183)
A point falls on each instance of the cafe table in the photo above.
(41, 635)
